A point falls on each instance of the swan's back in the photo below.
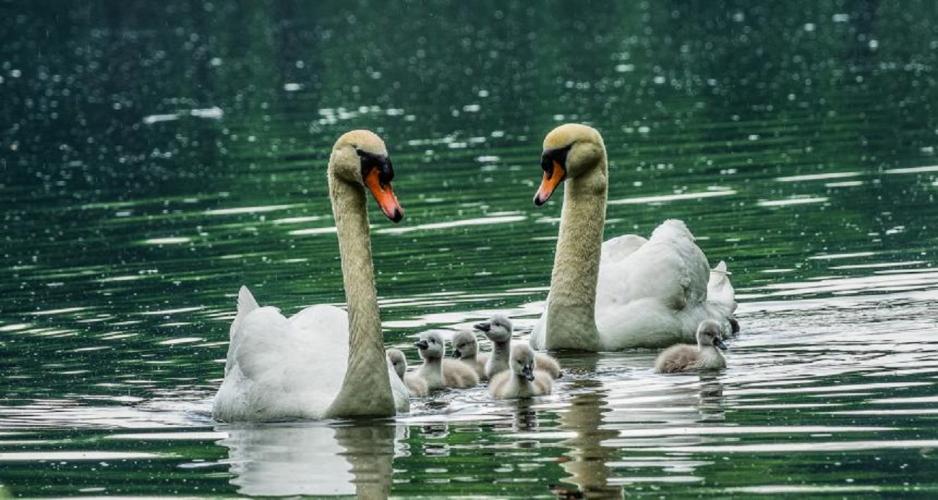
(678, 358)
(283, 369)
(458, 374)
(669, 268)
(416, 384)
(548, 365)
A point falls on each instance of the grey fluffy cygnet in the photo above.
(466, 349)
(415, 385)
(703, 356)
(522, 379)
(438, 372)
(498, 329)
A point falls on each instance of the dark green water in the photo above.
(157, 155)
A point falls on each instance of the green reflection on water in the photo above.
(157, 156)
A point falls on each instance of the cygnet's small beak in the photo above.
(528, 373)
(485, 326)
(456, 353)
(719, 343)
(421, 344)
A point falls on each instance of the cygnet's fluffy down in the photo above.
(466, 349)
(498, 329)
(438, 372)
(703, 356)
(415, 385)
(522, 379)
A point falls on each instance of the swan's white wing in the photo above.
(284, 369)
(669, 268)
(619, 248)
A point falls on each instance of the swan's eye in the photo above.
(382, 163)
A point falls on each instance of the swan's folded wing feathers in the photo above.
(263, 341)
(720, 290)
(620, 247)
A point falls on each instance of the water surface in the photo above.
(156, 156)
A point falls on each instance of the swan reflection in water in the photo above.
(312, 459)
(599, 423)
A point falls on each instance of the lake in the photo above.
(155, 156)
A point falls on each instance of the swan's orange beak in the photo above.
(384, 195)
(553, 176)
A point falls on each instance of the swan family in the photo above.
(627, 292)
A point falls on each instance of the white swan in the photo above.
(703, 356)
(522, 379)
(321, 362)
(627, 292)
(498, 329)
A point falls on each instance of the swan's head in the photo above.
(570, 151)
(465, 345)
(710, 333)
(430, 346)
(360, 157)
(398, 361)
(497, 328)
(522, 361)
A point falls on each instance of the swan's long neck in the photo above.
(366, 389)
(571, 321)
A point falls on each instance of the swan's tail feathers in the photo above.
(720, 291)
(246, 302)
(246, 305)
(721, 268)
(619, 248)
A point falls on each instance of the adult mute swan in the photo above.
(322, 362)
(629, 291)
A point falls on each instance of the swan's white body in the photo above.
(626, 292)
(654, 292)
(322, 362)
(281, 368)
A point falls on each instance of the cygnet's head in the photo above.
(570, 150)
(522, 361)
(398, 361)
(465, 345)
(710, 333)
(497, 328)
(360, 157)
(430, 346)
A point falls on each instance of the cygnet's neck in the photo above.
(501, 351)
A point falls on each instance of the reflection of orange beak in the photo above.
(384, 195)
(549, 183)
